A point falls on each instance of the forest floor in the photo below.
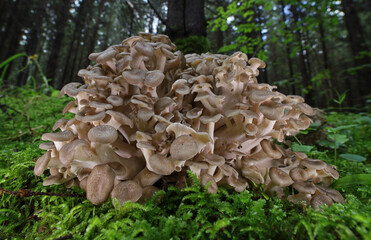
(26, 212)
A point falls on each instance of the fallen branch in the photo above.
(29, 193)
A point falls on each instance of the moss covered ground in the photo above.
(189, 213)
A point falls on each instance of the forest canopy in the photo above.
(317, 49)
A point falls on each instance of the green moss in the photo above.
(189, 213)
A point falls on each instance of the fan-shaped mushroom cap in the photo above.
(90, 118)
(205, 179)
(183, 148)
(58, 124)
(299, 174)
(42, 163)
(64, 136)
(126, 191)
(160, 164)
(313, 164)
(305, 187)
(47, 146)
(332, 193)
(120, 119)
(99, 184)
(68, 150)
(256, 63)
(279, 177)
(319, 200)
(115, 100)
(102, 134)
(147, 177)
(154, 78)
(134, 77)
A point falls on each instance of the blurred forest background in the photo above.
(319, 49)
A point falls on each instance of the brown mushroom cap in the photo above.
(67, 152)
(299, 174)
(61, 122)
(102, 134)
(64, 136)
(319, 200)
(91, 118)
(332, 193)
(279, 177)
(154, 78)
(183, 148)
(47, 146)
(257, 61)
(126, 191)
(313, 164)
(160, 164)
(115, 100)
(99, 184)
(121, 118)
(305, 187)
(42, 163)
(205, 179)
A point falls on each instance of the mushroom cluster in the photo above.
(146, 111)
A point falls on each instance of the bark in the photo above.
(75, 40)
(62, 12)
(361, 86)
(302, 60)
(176, 19)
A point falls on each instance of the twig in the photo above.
(29, 193)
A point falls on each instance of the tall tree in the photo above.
(185, 18)
(61, 9)
(360, 51)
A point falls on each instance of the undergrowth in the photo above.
(189, 213)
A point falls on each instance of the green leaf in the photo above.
(2, 64)
(353, 157)
(358, 179)
(301, 148)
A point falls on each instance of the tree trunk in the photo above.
(62, 12)
(361, 86)
(302, 61)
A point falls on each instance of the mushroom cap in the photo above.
(279, 177)
(154, 78)
(103, 134)
(121, 118)
(91, 118)
(313, 164)
(160, 164)
(66, 153)
(205, 179)
(95, 104)
(180, 87)
(126, 191)
(210, 119)
(194, 113)
(143, 48)
(257, 61)
(319, 200)
(332, 193)
(64, 136)
(115, 101)
(183, 148)
(262, 95)
(59, 123)
(299, 174)
(42, 163)
(305, 187)
(99, 184)
(47, 146)
(135, 76)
